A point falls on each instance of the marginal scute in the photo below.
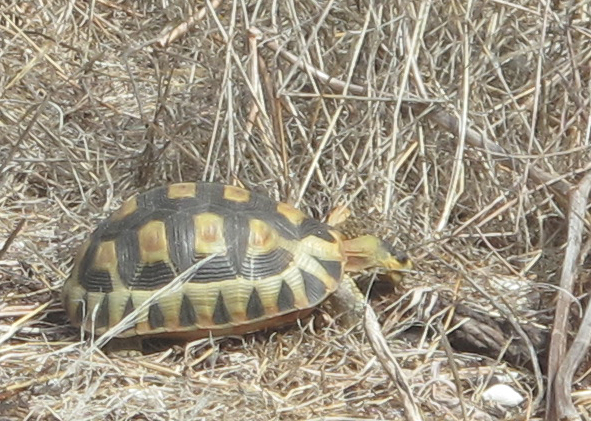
(220, 313)
(236, 194)
(315, 288)
(292, 214)
(182, 190)
(187, 316)
(127, 208)
(102, 315)
(155, 316)
(254, 308)
(129, 308)
(285, 299)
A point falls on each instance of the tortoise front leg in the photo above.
(349, 302)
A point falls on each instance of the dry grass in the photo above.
(92, 110)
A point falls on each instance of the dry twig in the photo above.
(562, 364)
(382, 350)
(475, 138)
(168, 36)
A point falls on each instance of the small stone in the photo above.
(503, 394)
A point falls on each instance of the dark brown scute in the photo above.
(209, 193)
(91, 279)
(155, 316)
(87, 260)
(128, 255)
(236, 235)
(219, 268)
(284, 226)
(285, 299)
(220, 313)
(315, 288)
(102, 315)
(157, 198)
(180, 234)
(265, 265)
(310, 226)
(131, 223)
(254, 308)
(333, 267)
(187, 316)
(153, 276)
(128, 307)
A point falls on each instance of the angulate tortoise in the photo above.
(247, 261)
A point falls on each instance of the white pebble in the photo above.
(503, 395)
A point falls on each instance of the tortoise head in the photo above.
(371, 252)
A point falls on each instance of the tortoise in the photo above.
(246, 262)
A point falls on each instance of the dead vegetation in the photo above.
(460, 133)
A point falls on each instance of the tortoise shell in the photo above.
(248, 263)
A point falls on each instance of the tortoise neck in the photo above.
(361, 253)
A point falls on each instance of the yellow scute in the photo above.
(182, 190)
(236, 194)
(153, 243)
(128, 207)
